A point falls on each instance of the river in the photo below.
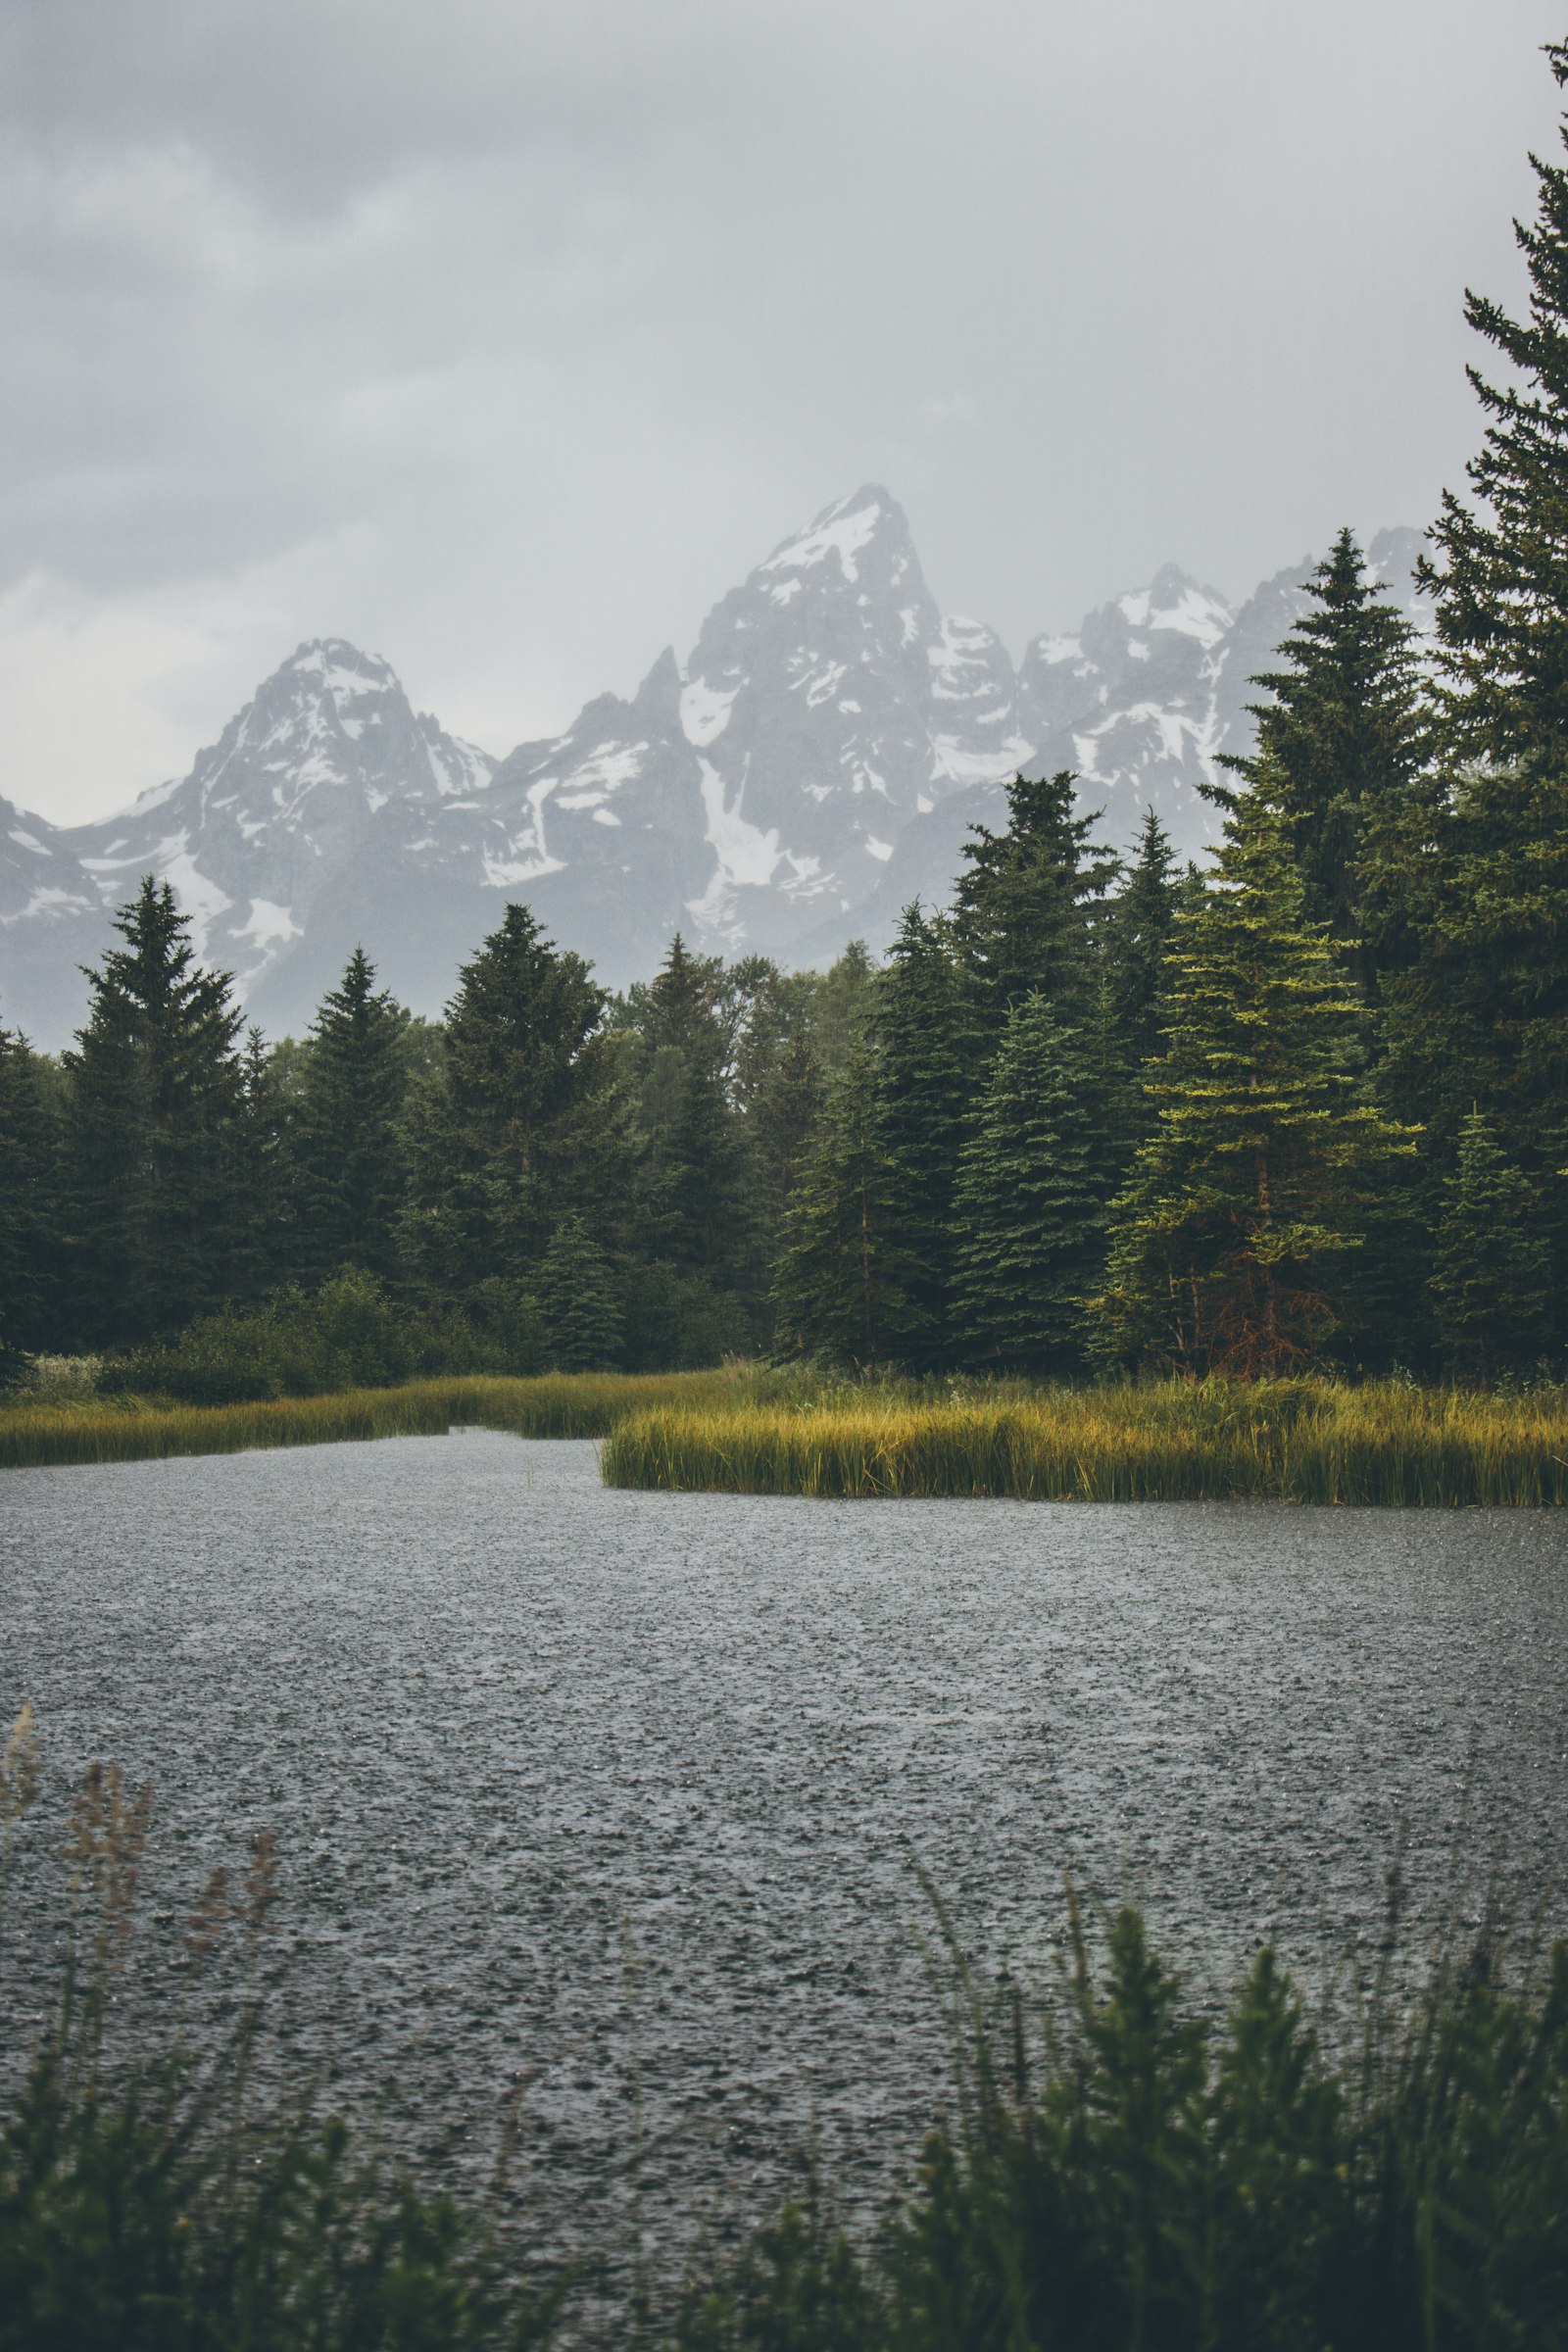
(623, 1799)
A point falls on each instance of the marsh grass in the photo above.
(1297, 1440)
(123, 1429)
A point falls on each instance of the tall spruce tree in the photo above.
(348, 1127)
(1138, 929)
(931, 1049)
(1023, 904)
(1340, 741)
(1232, 1242)
(781, 1116)
(698, 1198)
(29, 1173)
(1028, 1204)
(1501, 572)
(578, 1300)
(1492, 1267)
(1477, 877)
(153, 1137)
(1135, 937)
(518, 1124)
(845, 1283)
(265, 1243)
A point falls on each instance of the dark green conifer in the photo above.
(578, 1300)
(931, 1064)
(1500, 574)
(29, 1174)
(1137, 933)
(1122, 1035)
(784, 1109)
(267, 1241)
(842, 1006)
(518, 1124)
(1492, 1269)
(1232, 1241)
(845, 1280)
(697, 1198)
(1028, 1206)
(349, 1146)
(156, 1102)
(1021, 918)
(1340, 741)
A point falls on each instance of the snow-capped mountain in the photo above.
(814, 765)
(759, 791)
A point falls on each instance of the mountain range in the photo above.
(813, 765)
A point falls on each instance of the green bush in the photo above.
(347, 1335)
(680, 1323)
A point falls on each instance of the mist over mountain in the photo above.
(814, 763)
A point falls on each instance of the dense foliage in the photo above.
(1305, 1106)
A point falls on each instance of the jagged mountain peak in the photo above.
(868, 531)
(1174, 600)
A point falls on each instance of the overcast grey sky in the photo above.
(503, 336)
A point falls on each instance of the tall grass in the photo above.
(1298, 1441)
(94, 1428)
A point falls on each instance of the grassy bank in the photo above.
(1294, 1440)
(124, 1429)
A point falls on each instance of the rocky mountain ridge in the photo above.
(814, 765)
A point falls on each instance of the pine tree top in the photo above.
(1500, 571)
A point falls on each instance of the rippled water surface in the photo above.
(581, 1785)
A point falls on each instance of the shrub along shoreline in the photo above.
(1295, 1441)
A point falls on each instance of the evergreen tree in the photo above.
(785, 1106)
(28, 1179)
(1231, 1243)
(1028, 1203)
(932, 1053)
(349, 1146)
(1021, 920)
(1480, 1013)
(1123, 1033)
(845, 1283)
(1340, 741)
(579, 1301)
(1500, 575)
(518, 1124)
(264, 1255)
(1491, 1270)
(1475, 878)
(698, 1203)
(841, 1008)
(156, 1103)
(1138, 930)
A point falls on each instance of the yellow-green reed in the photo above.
(130, 1428)
(1297, 1440)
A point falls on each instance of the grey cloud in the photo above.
(557, 314)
